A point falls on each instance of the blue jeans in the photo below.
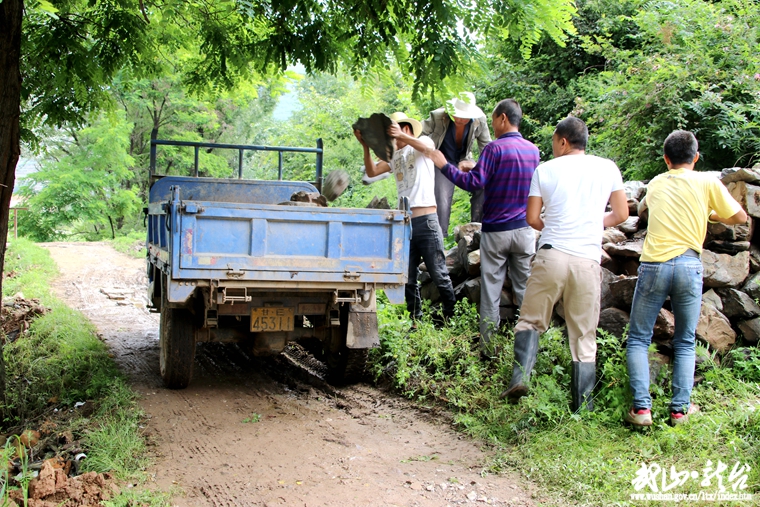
(427, 243)
(681, 279)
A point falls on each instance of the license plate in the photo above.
(272, 319)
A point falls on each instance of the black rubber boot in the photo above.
(583, 379)
(526, 348)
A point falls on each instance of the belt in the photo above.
(545, 246)
(690, 253)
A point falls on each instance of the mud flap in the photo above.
(395, 294)
(362, 330)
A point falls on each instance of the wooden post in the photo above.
(15, 221)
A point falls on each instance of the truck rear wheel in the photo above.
(177, 347)
(344, 365)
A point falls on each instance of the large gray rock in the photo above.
(606, 297)
(737, 304)
(712, 298)
(633, 206)
(720, 231)
(715, 329)
(754, 258)
(430, 291)
(635, 189)
(466, 230)
(473, 263)
(727, 247)
(664, 326)
(626, 249)
(629, 226)
(630, 267)
(747, 195)
(614, 321)
(622, 290)
(750, 330)
(641, 234)
(721, 270)
(752, 286)
(613, 235)
(454, 264)
(611, 263)
(507, 313)
(469, 289)
(732, 174)
(464, 247)
(506, 298)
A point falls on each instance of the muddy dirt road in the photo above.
(252, 431)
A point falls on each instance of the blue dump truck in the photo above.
(235, 260)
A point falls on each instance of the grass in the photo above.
(60, 361)
(585, 458)
(133, 244)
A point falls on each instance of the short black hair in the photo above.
(680, 147)
(512, 109)
(574, 130)
(406, 124)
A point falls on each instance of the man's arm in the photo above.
(470, 180)
(739, 218)
(395, 131)
(619, 213)
(533, 213)
(370, 167)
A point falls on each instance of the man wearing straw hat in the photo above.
(454, 128)
(415, 179)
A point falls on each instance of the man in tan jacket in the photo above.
(454, 128)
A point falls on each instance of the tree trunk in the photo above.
(10, 111)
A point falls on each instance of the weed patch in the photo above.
(61, 381)
(584, 458)
(132, 244)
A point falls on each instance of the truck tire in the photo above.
(177, 347)
(344, 365)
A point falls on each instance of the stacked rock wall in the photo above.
(730, 313)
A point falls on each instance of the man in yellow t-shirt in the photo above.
(680, 202)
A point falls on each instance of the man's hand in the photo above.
(438, 159)
(358, 134)
(395, 131)
(466, 165)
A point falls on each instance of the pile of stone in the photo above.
(730, 314)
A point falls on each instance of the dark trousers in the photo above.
(427, 243)
(444, 193)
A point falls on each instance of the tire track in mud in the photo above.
(262, 431)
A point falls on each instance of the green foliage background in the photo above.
(637, 70)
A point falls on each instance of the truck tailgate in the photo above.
(290, 243)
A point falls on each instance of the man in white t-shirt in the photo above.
(574, 188)
(415, 179)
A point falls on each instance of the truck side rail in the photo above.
(241, 149)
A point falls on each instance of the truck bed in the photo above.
(278, 246)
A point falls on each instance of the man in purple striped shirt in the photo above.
(504, 170)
